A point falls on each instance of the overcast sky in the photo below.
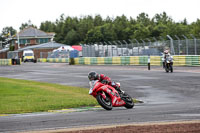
(15, 12)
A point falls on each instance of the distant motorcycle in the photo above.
(169, 64)
(108, 97)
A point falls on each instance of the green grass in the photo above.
(22, 96)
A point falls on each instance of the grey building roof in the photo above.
(33, 32)
(4, 50)
(48, 45)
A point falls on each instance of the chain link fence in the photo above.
(136, 48)
(56, 54)
(133, 48)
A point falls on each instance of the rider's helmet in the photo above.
(92, 75)
(166, 52)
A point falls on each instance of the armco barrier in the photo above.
(179, 60)
(5, 62)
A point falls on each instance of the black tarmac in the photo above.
(167, 96)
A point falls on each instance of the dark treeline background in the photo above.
(89, 29)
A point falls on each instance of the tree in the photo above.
(25, 25)
(47, 26)
(94, 35)
(158, 30)
(98, 21)
(107, 30)
(195, 28)
(59, 37)
(86, 29)
(140, 32)
(143, 19)
(85, 24)
(120, 24)
(71, 38)
(101, 34)
(6, 34)
(184, 22)
(162, 18)
(8, 31)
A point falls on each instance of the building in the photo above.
(40, 50)
(31, 36)
(3, 53)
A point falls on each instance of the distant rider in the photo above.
(165, 55)
(103, 79)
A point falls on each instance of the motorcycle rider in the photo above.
(165, 55)
(103, 79)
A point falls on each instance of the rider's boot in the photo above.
(163, 64)
(117, 87)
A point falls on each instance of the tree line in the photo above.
(89, 29)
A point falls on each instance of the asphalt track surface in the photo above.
(167, 96)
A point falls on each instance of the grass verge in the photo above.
(23, 96)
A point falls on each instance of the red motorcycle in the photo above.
(108, 97)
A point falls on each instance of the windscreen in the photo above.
(92, 83)
(28, 54)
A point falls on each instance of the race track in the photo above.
(166, 96)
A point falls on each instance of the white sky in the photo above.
(15, 12)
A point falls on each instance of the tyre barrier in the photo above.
(5, 62)
(8, 62)
(42, 60)
(137, 60)
(53, 60)
(58, 60)
(125, 60)
(179, 60)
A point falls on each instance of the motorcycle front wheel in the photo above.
(105, 103)
(167, 68)
(171, 68)
(128, 100)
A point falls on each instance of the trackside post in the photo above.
(149, 66)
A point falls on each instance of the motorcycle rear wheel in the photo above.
(105, 103)
(128, 100)
(167, 68)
